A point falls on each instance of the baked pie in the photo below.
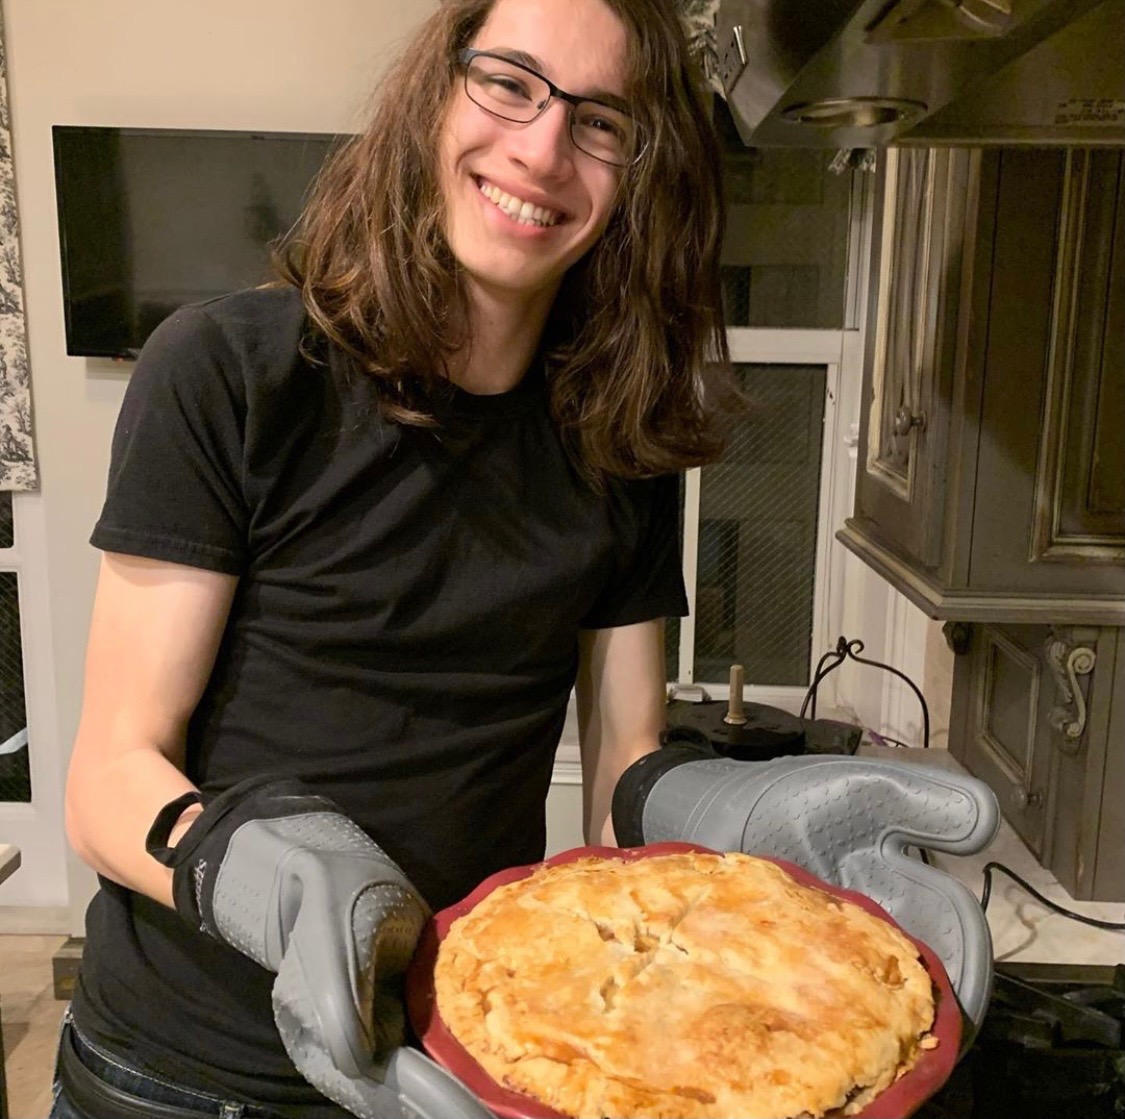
(683, 986)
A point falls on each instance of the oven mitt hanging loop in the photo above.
(286, 878)
(846, 820)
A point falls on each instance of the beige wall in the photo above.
(281, 65)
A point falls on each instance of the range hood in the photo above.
(851, 74)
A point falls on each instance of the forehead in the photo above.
(581, 44)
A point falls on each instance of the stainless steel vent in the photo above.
(843, 74)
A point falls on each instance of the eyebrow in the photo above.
(602, 96)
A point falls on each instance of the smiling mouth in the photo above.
(525, 213)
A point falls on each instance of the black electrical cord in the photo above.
(851, 649)
(897, 742)
(986, 893)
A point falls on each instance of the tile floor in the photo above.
(30, 1014)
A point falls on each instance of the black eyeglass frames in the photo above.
(514, 92)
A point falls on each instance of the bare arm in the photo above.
(621, 711)
(153, 638)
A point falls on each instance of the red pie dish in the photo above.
(931, 1070)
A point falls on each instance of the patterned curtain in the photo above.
(17, 447)
(699, 22)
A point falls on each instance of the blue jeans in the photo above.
(111, 1070)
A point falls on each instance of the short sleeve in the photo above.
(650, 581)
(175, 488)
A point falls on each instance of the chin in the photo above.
(515, 284)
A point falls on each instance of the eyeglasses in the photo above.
(511, 91)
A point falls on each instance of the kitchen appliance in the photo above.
(867, 73)
(752, 732)
(1051, 1045)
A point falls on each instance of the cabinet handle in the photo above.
(1025, 798)
(905, 420)
(1068, 716)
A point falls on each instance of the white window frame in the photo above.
(34, 899)
(826, 348)
(840, 352)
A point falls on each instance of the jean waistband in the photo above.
(99, 1099)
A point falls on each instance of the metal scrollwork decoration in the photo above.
(1068, 716)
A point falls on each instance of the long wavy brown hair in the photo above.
(635, 336)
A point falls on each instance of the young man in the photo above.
(364, 533)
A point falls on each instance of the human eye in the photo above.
(604, 123)
(505, 83)
(604, 126)
(500, 81)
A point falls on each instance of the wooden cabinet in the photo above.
(900, 499)
(991, 480)
(1039, 713)
(990, 486)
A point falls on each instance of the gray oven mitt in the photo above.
(846, 820)
(287, 879)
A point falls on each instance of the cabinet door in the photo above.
(999, 724)
(1080, 487)
(1037, 714)
(1086, 842)
(916, 294)
(1049, 509)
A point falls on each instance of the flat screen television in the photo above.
(151, 219)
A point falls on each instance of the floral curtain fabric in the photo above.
(699, 20)
(17, 448)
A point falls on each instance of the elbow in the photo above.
(73, 823)
(80, 803)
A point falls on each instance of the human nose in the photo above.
(543, 146)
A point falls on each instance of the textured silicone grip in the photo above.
(314, 899)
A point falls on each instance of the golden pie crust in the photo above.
(683, 986)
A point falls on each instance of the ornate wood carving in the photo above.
(1067, 662)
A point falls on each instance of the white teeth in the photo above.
(526, 213)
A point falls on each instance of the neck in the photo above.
(504, 334)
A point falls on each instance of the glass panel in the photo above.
(785, 252)
(757, 534)
(7, 528)
(15, 774)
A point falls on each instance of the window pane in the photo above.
(757, 533)
(7, 529)
(785, 251)
(15, 775)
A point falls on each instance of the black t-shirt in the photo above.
(403, 637)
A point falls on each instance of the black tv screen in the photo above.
(151, 219)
